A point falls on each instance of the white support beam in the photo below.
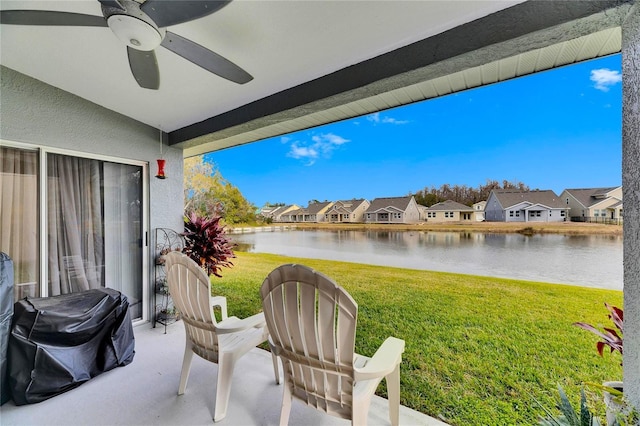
(631, 196)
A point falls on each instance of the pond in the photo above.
(585, 260)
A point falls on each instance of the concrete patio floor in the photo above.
(145, 393)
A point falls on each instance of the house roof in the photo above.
(450, 205)
(348, 206)
(280, 210)
(509, 198)
(312, 63)
(293, 212)
(591, 196)
(391, 203)
(315, 208)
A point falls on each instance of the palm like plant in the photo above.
(207, 244)
(610, 337)
(570, 416)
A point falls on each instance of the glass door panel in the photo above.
(123, 251)
(19, 231)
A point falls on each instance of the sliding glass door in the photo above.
(94, 223)
(93, 216)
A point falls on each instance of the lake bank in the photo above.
(565, 228)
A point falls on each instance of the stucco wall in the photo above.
(36, 113)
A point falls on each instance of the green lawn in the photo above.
(478, 349)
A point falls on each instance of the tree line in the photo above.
(207, 193)
(464, 194)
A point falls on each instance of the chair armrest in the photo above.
(220, 301)
(383, 362)
(233, 324)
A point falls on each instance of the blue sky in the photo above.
(552, 130)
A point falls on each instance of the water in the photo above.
(585, 260)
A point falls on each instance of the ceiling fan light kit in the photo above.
(135, 33)
(141, 28)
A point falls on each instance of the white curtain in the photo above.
(19, 217)
(75, 225)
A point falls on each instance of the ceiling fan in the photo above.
(141, 26)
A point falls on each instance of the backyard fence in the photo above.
(591, 219)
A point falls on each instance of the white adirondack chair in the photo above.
(222, 342)
(312, 328)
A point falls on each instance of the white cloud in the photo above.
(323, 144)
(391, 120)
(605, 78)
(376, 118)
(303, 153)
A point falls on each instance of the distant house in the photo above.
(449, 211)
(276, 214)
(347, 211)
(423, 212)
(290, 216)
(507, 205)
(393, 210)
(594, 204)
(478, 211)
(314, 212)
(268, 211)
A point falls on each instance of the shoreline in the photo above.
(529, 228)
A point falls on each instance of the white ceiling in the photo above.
(281, 43)
(313, 62)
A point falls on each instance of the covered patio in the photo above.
(145, 393)
(67, 91)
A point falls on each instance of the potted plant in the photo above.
(613, 339)
(583, 416)
(160, 259)
(168, 314)
(207, 244)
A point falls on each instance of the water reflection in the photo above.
(587, 260)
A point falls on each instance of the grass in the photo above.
(478, 349)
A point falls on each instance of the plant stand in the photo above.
(167, 240)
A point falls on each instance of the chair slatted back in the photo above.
(312, 323)
(190, 291)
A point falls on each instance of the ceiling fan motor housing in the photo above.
(132, 26)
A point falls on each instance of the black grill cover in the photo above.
(57, 343)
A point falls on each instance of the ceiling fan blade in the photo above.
(205, 58)
(166, 13)
(49, 17)
(111, 3)
(144, 67)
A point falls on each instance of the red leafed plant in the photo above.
(207, 244)
(610, 337)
